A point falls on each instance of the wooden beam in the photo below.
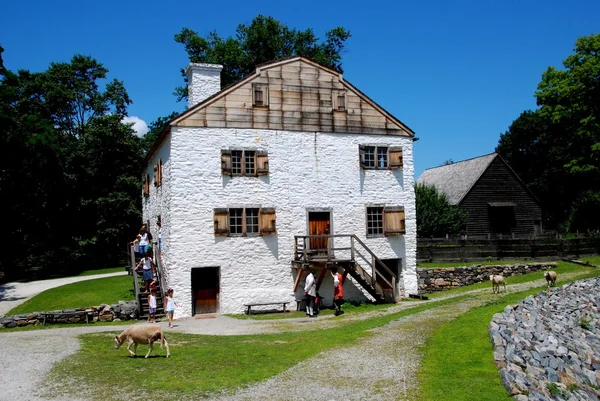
(321, 277)
(298, 278)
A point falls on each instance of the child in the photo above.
(136, 247)
(152, 306)
(170, 308)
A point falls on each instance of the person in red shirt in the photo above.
(338, 291)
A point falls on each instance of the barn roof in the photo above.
(456, 180)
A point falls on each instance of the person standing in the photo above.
(338, 291)
(144, 240)
(170, 308)
(310, 290)
(152, 306)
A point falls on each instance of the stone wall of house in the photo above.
(440, 279)
(307, 171)
(547, 346)
(103, 313)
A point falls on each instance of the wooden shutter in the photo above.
(147, 186)
(395, 157)
(156, 175)
(260, 95)
(159, 173)
(221, 222)
(267, 221)
(394, 221)
(262, 163)
(361, 155)
(226, 162)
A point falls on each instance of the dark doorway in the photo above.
(502, 219)
(395, 266)
(205, 290)
(319, 223)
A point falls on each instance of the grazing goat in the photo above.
(497, 281)
(550, 277)
(142, 334)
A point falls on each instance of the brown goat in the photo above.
(550, 277)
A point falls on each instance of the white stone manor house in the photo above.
(289, 169)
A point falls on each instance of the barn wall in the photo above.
(499, 184)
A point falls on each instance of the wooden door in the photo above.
(205, 290)
(319, 223)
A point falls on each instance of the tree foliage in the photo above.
(556, 148)
(68, 179)
(155, 128)
(435, 216)
(265, 39)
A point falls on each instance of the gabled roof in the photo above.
(395, 123)
(456, 179)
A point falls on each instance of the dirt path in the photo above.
(14, 294)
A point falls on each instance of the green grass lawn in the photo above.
(83, 294)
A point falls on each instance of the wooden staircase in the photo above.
(138, 285)
(354, 257)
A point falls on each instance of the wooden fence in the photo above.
(455, 250)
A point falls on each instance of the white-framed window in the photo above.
(244, 162)
(249, 221)
(385, 220)
(380, 157)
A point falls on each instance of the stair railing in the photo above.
(136, 284)
(160, 273)
(373, 263)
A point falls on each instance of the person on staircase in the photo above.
(148, 269)
(310, 290)
(144, 240)
(152, 306)
(338, 291)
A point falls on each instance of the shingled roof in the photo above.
(456, 179)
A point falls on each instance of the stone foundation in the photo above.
(103, 313)
(440, 279)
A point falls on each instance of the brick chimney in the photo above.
(204, 80)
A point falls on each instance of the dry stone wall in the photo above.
(440, 279)
(103, 313)
(547, 346)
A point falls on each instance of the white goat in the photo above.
(497, 281)
(142, 334)
(550, 277)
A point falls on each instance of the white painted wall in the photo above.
(307, 170)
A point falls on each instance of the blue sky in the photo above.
(456, 72)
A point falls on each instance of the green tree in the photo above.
(155, 128)
(435, 216)
(265, 39)
(556, 148)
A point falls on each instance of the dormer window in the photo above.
(260, 95)
(339, 101)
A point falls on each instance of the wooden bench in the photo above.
(283, 303)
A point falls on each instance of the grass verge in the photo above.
(458, 363)
(102, 271)
(79, 295)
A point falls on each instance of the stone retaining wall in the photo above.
(103, 313)
(439, 279)
(547, 346)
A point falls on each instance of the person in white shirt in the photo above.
(310, 290)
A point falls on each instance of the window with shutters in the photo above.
(339, 100)
(380, 157)
(250, 221)
(260, 95)
(388, 221)
(244, 163)
(147, 186)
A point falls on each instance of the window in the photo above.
(260, 95)
(379, 157)
(244, 162)
(147, 186)
(374, 220)
(244, 221)
(158, 173)
(386, 221)
(339, 100)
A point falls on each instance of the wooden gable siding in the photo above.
(499, 184)
(300, 99)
